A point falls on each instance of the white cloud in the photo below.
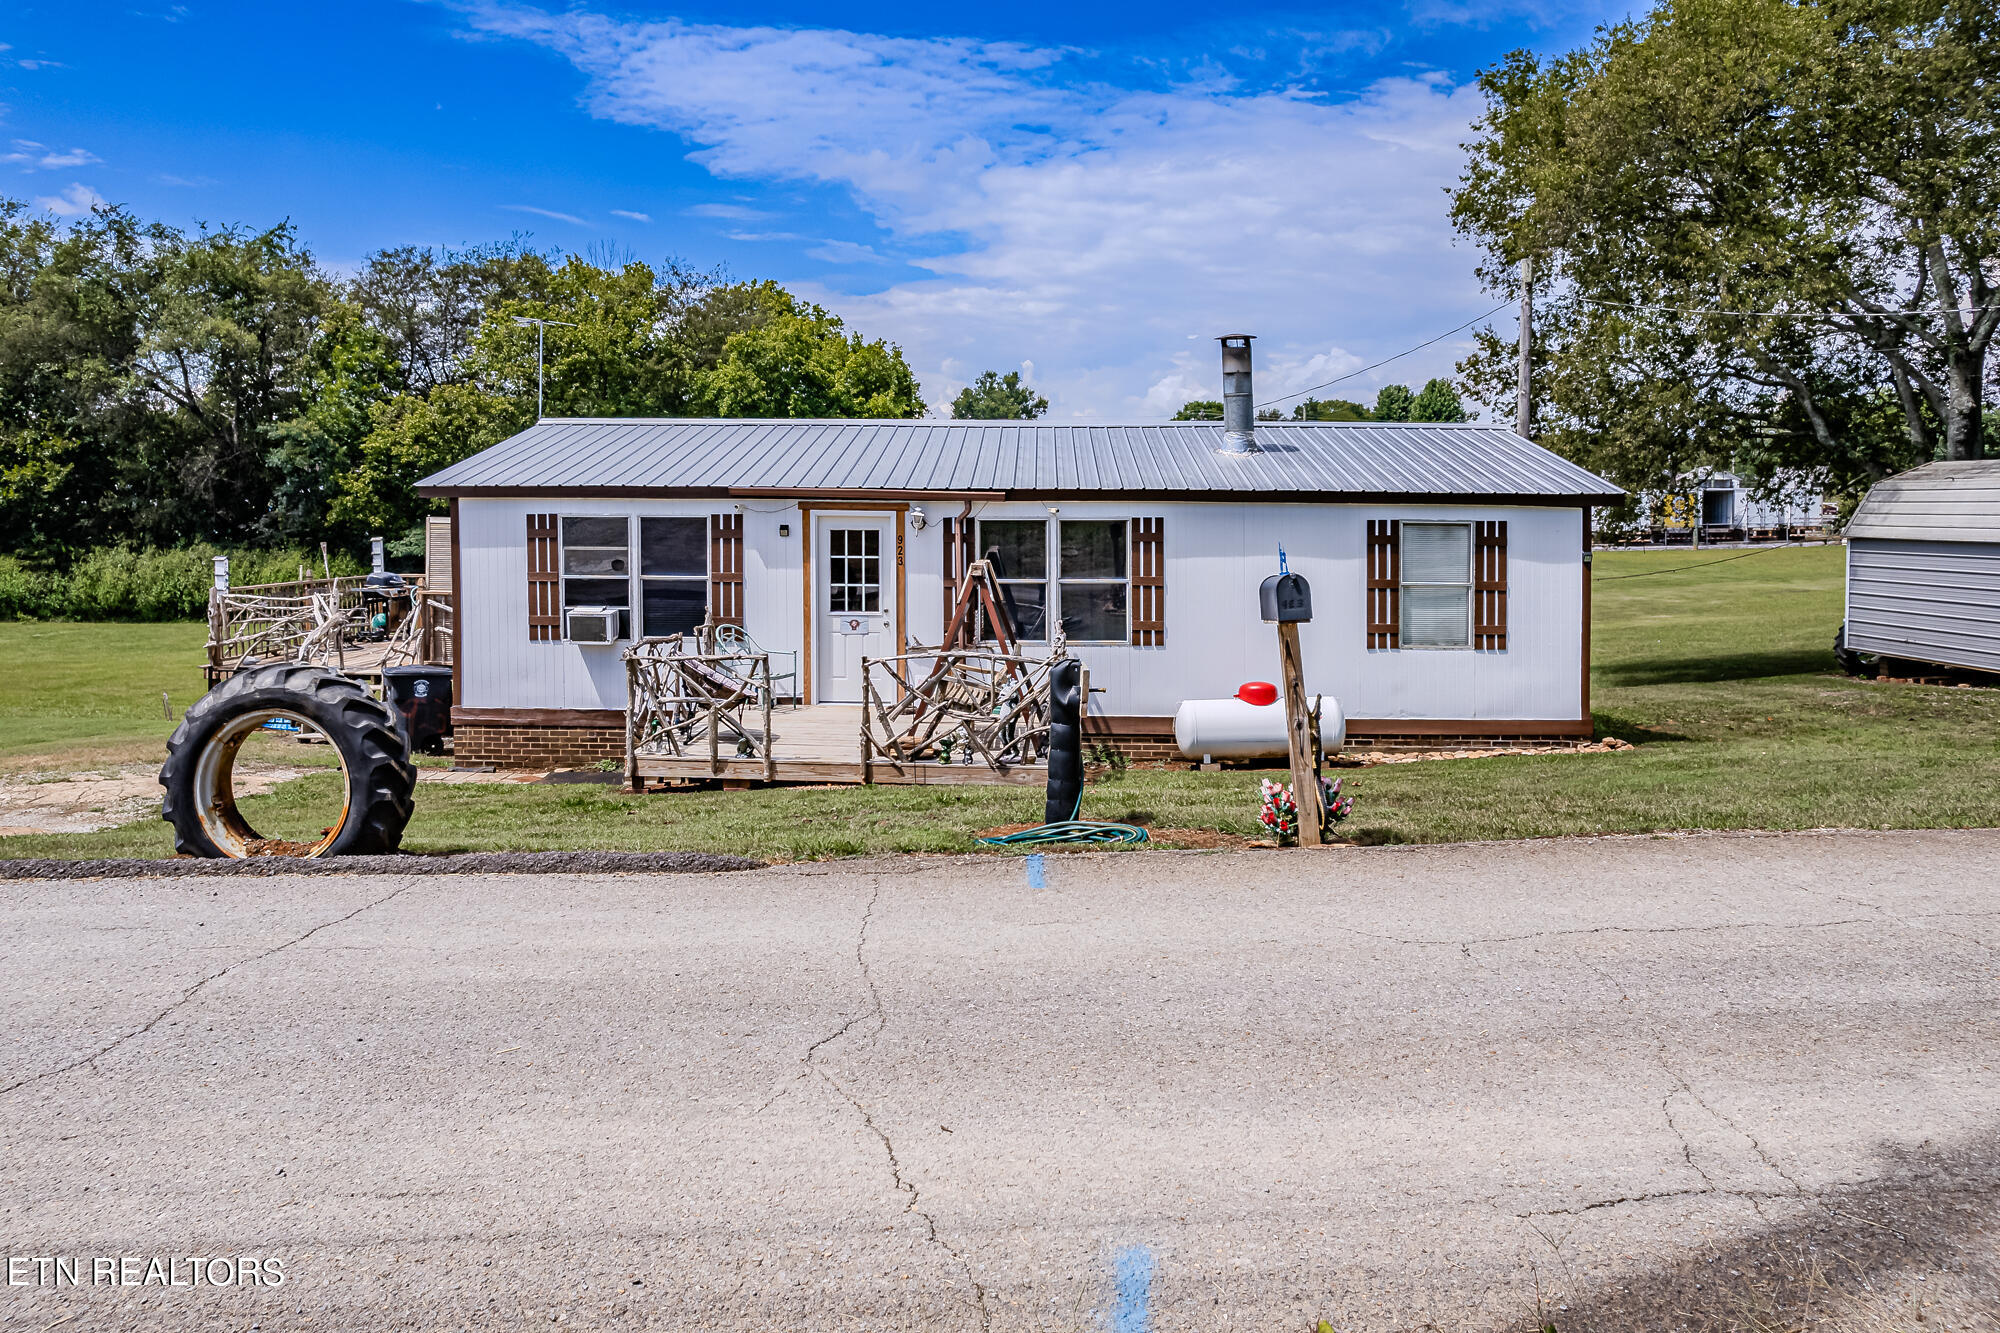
(74, 202)
(635, 217)
(845, 252)
(545, 213)
(729, 212)
(1088, 225)
(27, 153)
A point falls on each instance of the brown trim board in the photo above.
(884, 498)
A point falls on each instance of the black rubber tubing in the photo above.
(1065, 793)
(381, 780)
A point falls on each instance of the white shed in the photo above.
(1923, 567)
(1449, 564)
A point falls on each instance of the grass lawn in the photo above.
(81, 696)
(1723, 675)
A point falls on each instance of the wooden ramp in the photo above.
(822, 743)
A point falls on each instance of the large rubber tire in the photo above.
(1865, 666)
(380, 777)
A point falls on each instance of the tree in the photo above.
(428, 305)
(797, 360)
(1393, 403)
(1437, 401)
(996, 397)
(1762, 230)
(1332, 409)
(1200, 409)
(412, 436)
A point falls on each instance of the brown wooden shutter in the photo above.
(1149, 582)
(1385, 577)
(725, 569)
(1489, 585)
(544, 580)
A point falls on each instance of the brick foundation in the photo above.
(540, 748)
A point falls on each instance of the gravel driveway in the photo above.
(1475, 1086)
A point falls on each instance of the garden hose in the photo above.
(1069, 830)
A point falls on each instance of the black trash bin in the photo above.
(420, 696)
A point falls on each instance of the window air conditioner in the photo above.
(593, 624)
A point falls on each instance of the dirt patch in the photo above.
(1370, 758)
(87, 802)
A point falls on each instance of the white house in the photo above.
(1449, 564)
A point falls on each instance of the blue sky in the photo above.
(1090, 193)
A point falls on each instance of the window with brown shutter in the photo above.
(1489, 585)
(1149, 582)
(725, 569)
(1384, 579)
(544, 580)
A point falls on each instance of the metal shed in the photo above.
(1923, 567)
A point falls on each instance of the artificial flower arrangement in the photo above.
(1281, 812)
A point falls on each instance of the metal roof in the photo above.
(1323, 459)
(1938, 502)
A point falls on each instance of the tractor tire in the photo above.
(201, 755)
(1863, 666)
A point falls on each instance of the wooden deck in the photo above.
(822, 743)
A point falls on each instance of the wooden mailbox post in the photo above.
(1286, 601)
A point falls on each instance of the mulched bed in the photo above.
(463, 863)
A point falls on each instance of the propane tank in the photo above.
(1251, 725)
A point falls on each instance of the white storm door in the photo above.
(854, 586)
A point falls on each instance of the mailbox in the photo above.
(1285, 599)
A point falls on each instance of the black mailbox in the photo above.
(1285, 599)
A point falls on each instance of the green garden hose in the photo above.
(1069, 830)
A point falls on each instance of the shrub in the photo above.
(120, 583)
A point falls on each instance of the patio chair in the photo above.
(731, 639)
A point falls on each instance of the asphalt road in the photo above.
(1470, 1086)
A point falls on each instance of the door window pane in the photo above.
(673, 546)
(854, 569)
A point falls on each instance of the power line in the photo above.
(1387, 359)
(1679, 569)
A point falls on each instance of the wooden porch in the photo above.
(822, 743)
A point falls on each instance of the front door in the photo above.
(854, 591)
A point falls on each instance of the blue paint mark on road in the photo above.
(1134, 1272)
(1037, 879)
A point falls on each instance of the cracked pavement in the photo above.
(1387, 1087)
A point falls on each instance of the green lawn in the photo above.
(1723, 676)
(77, 696)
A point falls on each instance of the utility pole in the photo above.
(1524, 411)
(541, 326)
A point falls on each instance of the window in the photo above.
(1437, 585)
(854, 569)
(1092, 581)
(673, 574)
(597, 566)
(1019, 555)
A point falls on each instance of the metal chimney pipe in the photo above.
(1239, 412)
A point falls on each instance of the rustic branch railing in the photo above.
(954, 705)
(320, 621)
(682, 700)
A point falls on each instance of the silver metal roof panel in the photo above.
(1326, 459)
(1940, 502)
